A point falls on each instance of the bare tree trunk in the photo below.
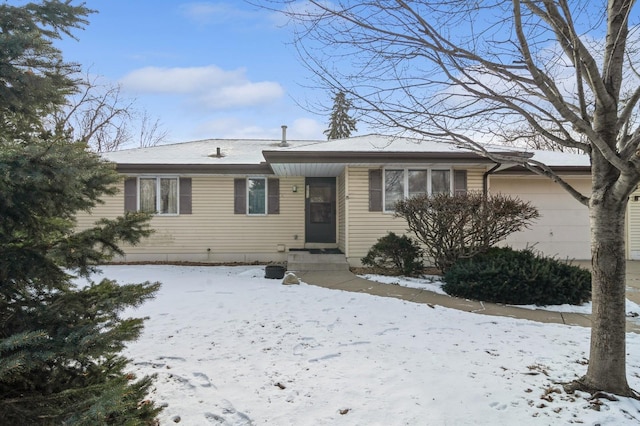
(607, 359)
(407, 66)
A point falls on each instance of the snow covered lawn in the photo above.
(233, 348)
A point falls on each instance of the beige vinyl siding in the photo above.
(113, 207)
(364, 227)
(474, 179)
(342, 213)
(563, 227)
(213, 232)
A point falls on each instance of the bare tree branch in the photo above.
(103, 118)
(151, 132)
(477, 73)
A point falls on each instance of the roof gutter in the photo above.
(485, 179)
(142, 168)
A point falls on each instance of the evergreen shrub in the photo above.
(518, 277)
(398, 255)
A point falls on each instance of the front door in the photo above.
(320, 210)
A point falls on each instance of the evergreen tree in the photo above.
(60, 343)
(341, 124)
(34, 76)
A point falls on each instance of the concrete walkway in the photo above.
(346, 281)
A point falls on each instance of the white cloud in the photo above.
(301, 9)
(204, 13)
(243, 94)
(306, 128)
(236, 128)
(231, 128)
(208, 87)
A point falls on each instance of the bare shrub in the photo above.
(460, 226)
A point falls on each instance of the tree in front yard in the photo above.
(60, 341)
(472, 73)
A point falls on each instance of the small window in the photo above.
(257, 195)
(159, 195)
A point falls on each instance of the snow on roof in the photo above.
(559, 159)
(233, 151)
(249, 151)
(378, 143)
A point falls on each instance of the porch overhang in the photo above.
(317, 164)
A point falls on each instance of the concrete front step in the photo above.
(305, 261)
(306, 257)
(307, 267)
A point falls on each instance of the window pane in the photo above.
(319, 194)
(169, 195)
(148, 195)
(417, 182)
(440, 182)
(320, 204)
(393, 188)
(257, 196)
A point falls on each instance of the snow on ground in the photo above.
(230, 347)
(434, 283)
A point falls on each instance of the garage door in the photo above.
(633, 222)
(563, 227)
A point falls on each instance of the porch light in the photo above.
(294, 188)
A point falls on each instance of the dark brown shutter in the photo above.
(375, 190)
(459, 182)
(185, 196)
(273, 202)
(130, 194)
(239, 196)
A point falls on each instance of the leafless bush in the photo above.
(459, 226)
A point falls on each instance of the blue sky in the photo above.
(205, 69)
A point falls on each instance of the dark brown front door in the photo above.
(320, 210)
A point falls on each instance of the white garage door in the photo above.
(563, 227)
(633, 222)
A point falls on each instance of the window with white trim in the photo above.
(405, 183)
(158, 195)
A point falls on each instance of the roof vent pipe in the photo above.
(218, 153)
(284, 136)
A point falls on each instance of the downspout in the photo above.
(346, 213)
(485, 179)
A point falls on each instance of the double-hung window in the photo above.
(256, 195)
(405, 183)
(159, 195)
